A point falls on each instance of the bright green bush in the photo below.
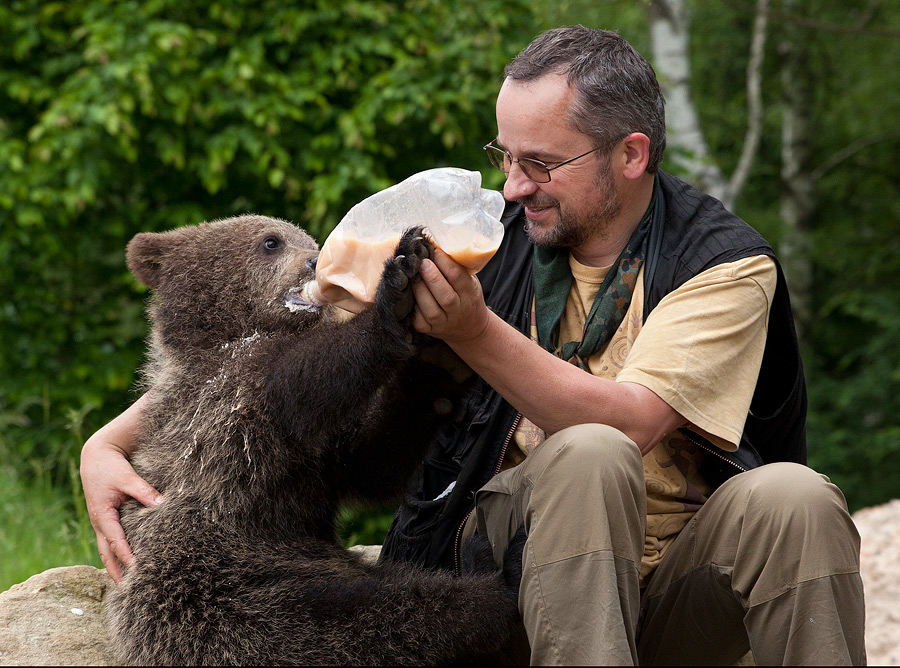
(119, 116)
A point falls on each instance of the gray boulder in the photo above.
(54, 618)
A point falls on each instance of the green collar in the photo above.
(553, 282)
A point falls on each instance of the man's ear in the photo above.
(636, 147)
(147, 253)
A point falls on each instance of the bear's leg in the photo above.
(380, 452)
(335, 372)
(400, 615)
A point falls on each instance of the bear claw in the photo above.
(414, 247)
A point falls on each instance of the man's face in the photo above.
(581, 199)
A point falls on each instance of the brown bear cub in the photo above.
(265, 414)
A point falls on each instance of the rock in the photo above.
(879, 530)
(54, 618)
(368, 552)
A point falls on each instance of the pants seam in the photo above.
(796, 584)
(612, 554)
(554, 645)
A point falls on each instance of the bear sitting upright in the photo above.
(265, 414)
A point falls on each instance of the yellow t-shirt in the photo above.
(700, 351)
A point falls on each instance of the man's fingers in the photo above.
(441, 290)
(137, 488)
(122, 550)
(448, 266)
(114, 549)
(108, 557)
(427, 310)
(109, 527)
(455, 274)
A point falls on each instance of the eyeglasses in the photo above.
(535, 170)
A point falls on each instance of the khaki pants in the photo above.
(769, 564)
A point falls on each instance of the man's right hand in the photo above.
(108, 480)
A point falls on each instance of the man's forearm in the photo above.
(555, 394)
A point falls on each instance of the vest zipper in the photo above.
(708, 448)
(456, 545)
(459, 529)
(512, 430)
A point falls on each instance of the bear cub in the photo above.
(265, 414)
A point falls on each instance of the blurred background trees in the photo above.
(120, 116)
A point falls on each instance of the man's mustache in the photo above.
(533, 202)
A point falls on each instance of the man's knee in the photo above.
(595, 451)
(586, 494)
(788, 490)
(798, 516)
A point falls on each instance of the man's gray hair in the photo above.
(617, 88)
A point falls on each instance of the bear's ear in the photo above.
(145, 255)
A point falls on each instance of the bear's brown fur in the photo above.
(265, 414)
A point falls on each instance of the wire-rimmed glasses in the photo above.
(537, 171)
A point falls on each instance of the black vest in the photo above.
(690, 232)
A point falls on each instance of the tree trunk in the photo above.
(754, 102)
(797, 181)
(669, 36)
(669, 33)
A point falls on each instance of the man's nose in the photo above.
(517, 184)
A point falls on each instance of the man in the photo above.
(637, 353)
(637, 550)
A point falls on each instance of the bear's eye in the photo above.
(272, 243)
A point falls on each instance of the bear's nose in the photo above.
(311, 263)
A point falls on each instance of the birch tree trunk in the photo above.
(669, 36)
(670, 33)
(797, 180)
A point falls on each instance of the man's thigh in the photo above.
(759, 536)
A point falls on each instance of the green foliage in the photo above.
(119, 116)
(854, 426)
(854, 367)
(42, 525)
(364, 525)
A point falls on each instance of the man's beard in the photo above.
(572, 229)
